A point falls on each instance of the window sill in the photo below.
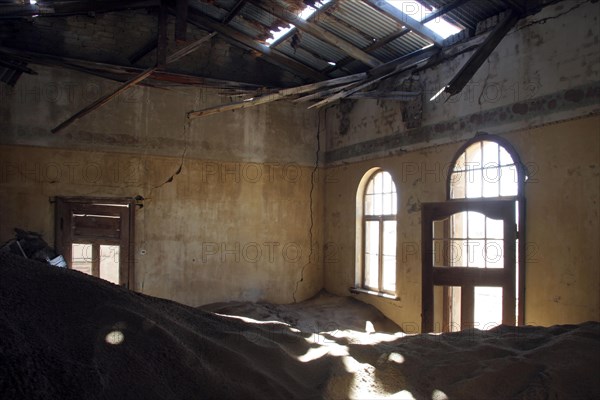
(388, 296)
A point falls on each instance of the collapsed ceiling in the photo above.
(264, 50)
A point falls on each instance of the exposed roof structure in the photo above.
(341, 49)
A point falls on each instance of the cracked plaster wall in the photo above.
(233, 224)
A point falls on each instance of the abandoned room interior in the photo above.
(300, 199)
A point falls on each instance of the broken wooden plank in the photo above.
(386, 95)
(276, 96)
(105, 99)
(407, 20)
(181, 12)
(401, 65)
(184, 51)
(319, 33)
(321, 94)
(469, 69)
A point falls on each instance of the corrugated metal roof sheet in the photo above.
(471, 12)
(354, 21)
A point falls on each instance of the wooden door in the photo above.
(442, 267)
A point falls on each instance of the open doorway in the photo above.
(95, 235)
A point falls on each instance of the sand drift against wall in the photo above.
(65, 335)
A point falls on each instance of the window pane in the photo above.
(389, 255)
(389, 238)
(488, 307)
(387, 182)
(389, 273)
(372, 254)
(476, 223)
(473, 183)
(438, 228)
(494, 254)
(458, 253)
(490, 153)
(494, 228)
(378, 179)
(476, 250)
(394, 204)
(81, 254)
(109, 263)
(438, 253)
(473, 156)
(508, 181)
(377, 204)
(491, 180)
(387, 204)
(505, 158)
(457, 185)
(369, 209)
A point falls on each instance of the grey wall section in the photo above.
(147, 120)
(544, 71)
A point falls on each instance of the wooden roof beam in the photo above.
(469, 69)
(238, 38)
(408, 21)
(319, 32)
(234, 11)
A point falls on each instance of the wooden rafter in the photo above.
(240, 39)
(132, 82)
(469, 69)
(319, 32)
(104, 99)
(234, 11)
(283, 93)
(406, 20)
(352, 85)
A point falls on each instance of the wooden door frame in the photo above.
(461, 276)
(64, 206)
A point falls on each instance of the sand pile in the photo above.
(65, 335)
(323, 313)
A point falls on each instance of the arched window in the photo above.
(377, 205)
(485, 168)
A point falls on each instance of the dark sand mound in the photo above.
(64, 335)
(54, 325)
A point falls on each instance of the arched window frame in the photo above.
(521, 170)
(361, 218)
(519, 197)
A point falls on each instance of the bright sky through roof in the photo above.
(410, 7)
(305, 14)
(417, 11)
